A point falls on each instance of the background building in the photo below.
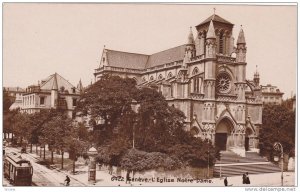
(205, 78)
(271, 95)
(52, 92)
(15, 95)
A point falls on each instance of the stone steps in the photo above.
(252, 163)
(234, 170)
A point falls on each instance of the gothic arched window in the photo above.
(221, 42)
(196, 81)
(169, 75)
(151, 78)
(160, 76)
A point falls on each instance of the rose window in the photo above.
(223, 83)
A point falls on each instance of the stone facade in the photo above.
(206, 79)
(52, 92)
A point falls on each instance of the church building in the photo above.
(206, 79)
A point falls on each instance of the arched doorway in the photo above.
(223, 131)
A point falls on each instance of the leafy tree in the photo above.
(107, 99)
(278, 125)
(157, 127)
(7, 101)
(36, 125)
(9, 120)
(58, 132)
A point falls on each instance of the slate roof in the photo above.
(126, 60)
(60, 81)
(215, 18)
(166, 56)
(142, 61)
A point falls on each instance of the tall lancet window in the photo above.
(221, 43)
(196, 81)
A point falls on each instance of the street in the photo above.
(42, 176)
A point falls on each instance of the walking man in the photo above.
(225, 181)
(247, 178)
(244, 178)
(67, 180)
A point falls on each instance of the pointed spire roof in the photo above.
(79, 86)
(55, 85)
(211, 31)
(256, 74)
(215, 18)
(241, 38)
(191, 37)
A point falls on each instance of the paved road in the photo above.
(42, 176)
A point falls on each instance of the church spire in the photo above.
(211, 31)
(241, 37)
(191, 37)
(79, 86)
(54, 85)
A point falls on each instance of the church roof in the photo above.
(60, 82)
(215, 17)
(166, 56)
(142, 61)
(126, 60)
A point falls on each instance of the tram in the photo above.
(17, 170)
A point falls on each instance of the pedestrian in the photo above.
(99, 165)
(110, 170)
(244, 178)
(247, 178)
(67, 180)
(225, 181)
(128, 177)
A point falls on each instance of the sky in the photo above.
(41, 39)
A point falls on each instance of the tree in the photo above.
(8, 121)
(278, 125)
(106, 100)
(58, 132)
(157, 127)
(7, 101)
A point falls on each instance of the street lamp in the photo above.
(92, 152)
(135, 107)
(278, 147)
(208, 159)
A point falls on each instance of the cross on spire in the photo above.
(214, 10)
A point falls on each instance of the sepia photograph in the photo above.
(149, 95)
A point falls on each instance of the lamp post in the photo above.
(135, 107)
(278, 147)
(92, 152)
(208, 160)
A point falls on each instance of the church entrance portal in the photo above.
(247, 139)
(247, 143)
(223, 131)
(221, 140)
